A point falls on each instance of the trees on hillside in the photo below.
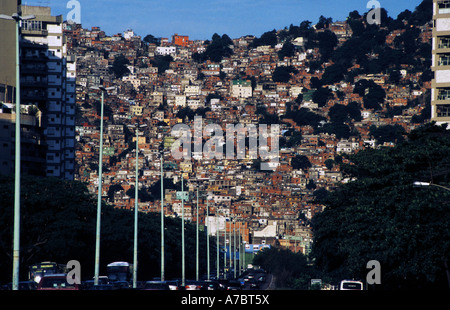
(379, 215)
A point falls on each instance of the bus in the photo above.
(351, 285)
(120, 271)
(37, 271)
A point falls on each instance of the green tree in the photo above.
(379, 215)
(289, 269)
(119, 66)
(300, 162)
(288, 50)
(162, 62)
(322, 95)
(282, 74)
(388, 133)
(58, 223)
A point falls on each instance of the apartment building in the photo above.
(241, 89)
(8, 51)
(180, 40)
(47, 82)
(440, 93)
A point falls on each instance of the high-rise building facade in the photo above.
(58, 78)
(47, 80)
(440, 93)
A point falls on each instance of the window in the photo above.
(444, 94)
(444, 60)
(444, 7)
(32, 25)
(444, 42)
(443, 110)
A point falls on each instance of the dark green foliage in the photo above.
(162, 62)
(379, 215)
(300, 162)
(388, 133)
(322, 95)
(58, 223)
(217, 49)
(119, 67)
(304, 117)
(288, 50)
(289, 269)
(267, 38)
(282, 74)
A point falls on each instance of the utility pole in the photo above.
(16, 234)
(162, 215)
(182, 235)
(196, 243)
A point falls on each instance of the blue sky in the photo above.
(200, 19)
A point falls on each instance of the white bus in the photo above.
(119, 271)
(351, 285)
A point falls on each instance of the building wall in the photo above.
(180, 40)
(440, 94)
(58, 79)
(7, 49)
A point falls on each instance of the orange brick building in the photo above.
(180, 40)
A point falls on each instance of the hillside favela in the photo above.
(311, 157)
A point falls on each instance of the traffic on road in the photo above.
(52, 276)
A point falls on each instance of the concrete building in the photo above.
(440, 93)
(47, 81)
(8, 51)
(241, 89)
(180, 40)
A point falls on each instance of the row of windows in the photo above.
(444, 42)
(442, 110)
(444, 60)
(444, 7)
(444, 4)
(32, 25)
(444, 94)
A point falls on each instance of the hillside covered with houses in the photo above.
(334, 87)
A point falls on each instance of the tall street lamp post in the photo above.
(99, 194)
(183, 275)
(16, 242)
(136, 207)
(426, 184)
(196, 243)
(162, 212)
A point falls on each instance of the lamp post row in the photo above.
(16, 238)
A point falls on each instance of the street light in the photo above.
(136, 197)
(99, 195)
(196, 242)
(183, 276)
(426, 184)
(162, 211)
(16, 247)
(207, 238)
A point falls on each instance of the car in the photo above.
(254, 283)
(23, 286)
(211, 285)
(194, 286)
(56, 282)
(156, 286)
(174, 285)
(223, 283)
(102, 287)
(233, 286)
